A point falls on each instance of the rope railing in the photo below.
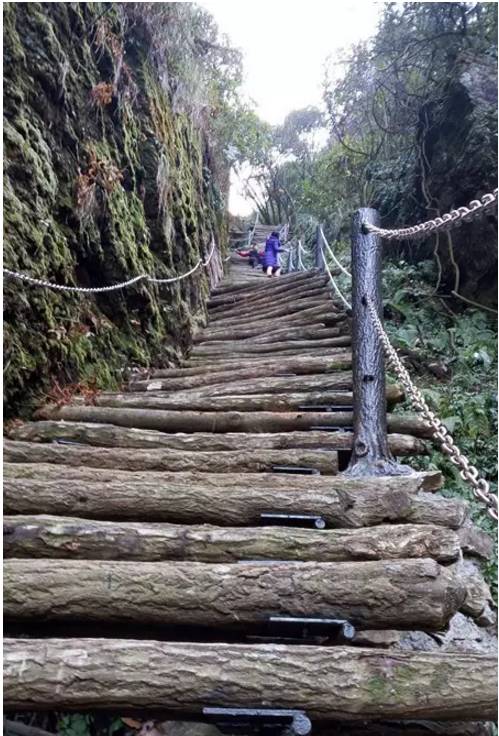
(113, 287)
(454, 218)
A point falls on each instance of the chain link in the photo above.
(114, 287)
(451, 219)
(467, 471)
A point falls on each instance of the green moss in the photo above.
(157, 220)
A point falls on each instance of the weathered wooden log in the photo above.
(258, 366)
(376, 594)
(244, 346)
(279, 288)
(341, 380)
(311, 290)
(221, 422)
(270, 329)
(287, 334)
(235, 374)
(287, 308)
(169, 460)
(224, 499)
(83, 539)
(266, 284)
(76, 674)
(206, 401)
(109, 435)
(270, 303)
(323, 313)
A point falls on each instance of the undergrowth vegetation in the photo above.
(452, 357)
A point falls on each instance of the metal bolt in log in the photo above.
(370, 454)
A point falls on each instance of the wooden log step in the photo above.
(263, 283)
(237, 401)
(236, 372)
(254, 301)
(170, 460)
(260, 366)
(341, 380)
(271, 301)
(342, 682)
(72, 538)
(325, 313)
(221, 422)
(226, 499)
(245, 347)
(109, 435)
(402, 594)
(281, 310)
(262, 335)
(279, 293)
(312, 329)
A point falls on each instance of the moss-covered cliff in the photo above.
(102, 181)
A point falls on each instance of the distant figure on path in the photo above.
(271, 259)
(255, 257)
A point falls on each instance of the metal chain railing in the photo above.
(451, 219)
(469, 473)
(99, 289)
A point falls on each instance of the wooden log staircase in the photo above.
(191, 542)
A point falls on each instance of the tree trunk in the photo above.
(108, 435)
(380, 594)
(224, 499)
(221, 422)
(73, 538)
(76, 674)
(170, 460)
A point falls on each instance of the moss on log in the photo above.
(75, 674)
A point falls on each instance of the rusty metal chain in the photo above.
(451, 219)
(467, 471)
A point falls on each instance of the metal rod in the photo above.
(370, 453)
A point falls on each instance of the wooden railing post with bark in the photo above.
(370, 452)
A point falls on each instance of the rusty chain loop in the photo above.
(99, 289)
(451, 219)
(467, 471)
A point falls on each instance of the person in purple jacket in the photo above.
(270, 257)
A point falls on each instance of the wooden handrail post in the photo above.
(370, 453)
(319, 255)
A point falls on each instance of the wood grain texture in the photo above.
(365, 683)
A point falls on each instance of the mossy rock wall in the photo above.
(102, 182)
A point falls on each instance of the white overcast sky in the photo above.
(284, 48)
